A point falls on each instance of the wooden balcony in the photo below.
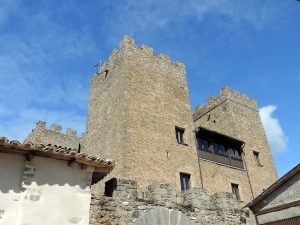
(222, 159)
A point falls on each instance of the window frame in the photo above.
(184, 186)
(179, 134)
(257, 158)
(236, 191)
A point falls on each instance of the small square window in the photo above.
(185, 181)
(179, 134)
(256, 157)
(236, 191)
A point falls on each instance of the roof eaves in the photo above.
(56, 152)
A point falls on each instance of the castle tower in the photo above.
(139, 114)
(233, 148)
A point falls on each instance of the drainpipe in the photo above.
(200, 172)
(243, 155)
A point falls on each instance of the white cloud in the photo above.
(276, 137)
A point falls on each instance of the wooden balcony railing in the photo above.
(223, 159)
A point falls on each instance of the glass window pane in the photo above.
(222, 150)
(203, 144)
(216, 148)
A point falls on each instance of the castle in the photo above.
(139, 114)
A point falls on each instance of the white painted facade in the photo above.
(43, 191)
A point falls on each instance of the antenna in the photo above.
(99, 64)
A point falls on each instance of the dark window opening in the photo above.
(110, 187)
(235, 191)
(179, 135)
(105, 73)
(96, 177)
(256, 157)
(185, 181)
(219, 148)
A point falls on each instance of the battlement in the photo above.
(56, 128)
(237, 96)
(127, 45)
(225, 94)
(41, 135)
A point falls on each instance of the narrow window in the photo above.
(235, 191)
(105, 73)
(185, 181)
(256, 157)
(179, 134)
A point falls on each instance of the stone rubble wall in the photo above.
(124, 207)
(54, 136)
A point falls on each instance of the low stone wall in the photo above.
(124, 207)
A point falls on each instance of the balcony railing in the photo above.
(223, 159)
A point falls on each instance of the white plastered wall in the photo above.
(57, 194)
(11, 172)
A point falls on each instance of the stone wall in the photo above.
(159, 204)
(136, 101)
(237, 116)
(41, 135)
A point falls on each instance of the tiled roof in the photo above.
(56, 152)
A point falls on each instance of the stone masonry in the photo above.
(136, 101)
(237, 116)
(41, 135)
(159, 206)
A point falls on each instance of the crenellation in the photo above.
(127, 41)
(127, 44)
(165, 57)
(237, 96)
(41, 124)
(72, 132)
(56, 128)
(147, 49)
(211, 100)
(226, 94)
(54, 136)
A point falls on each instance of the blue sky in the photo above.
(48, 49)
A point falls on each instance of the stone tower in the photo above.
(235, 115)
(139, 114)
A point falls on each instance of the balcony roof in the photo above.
(219, 134)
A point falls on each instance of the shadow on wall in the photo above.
(42, 171)
(58, 172)
(11, 172)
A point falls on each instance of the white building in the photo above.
(46, 185)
